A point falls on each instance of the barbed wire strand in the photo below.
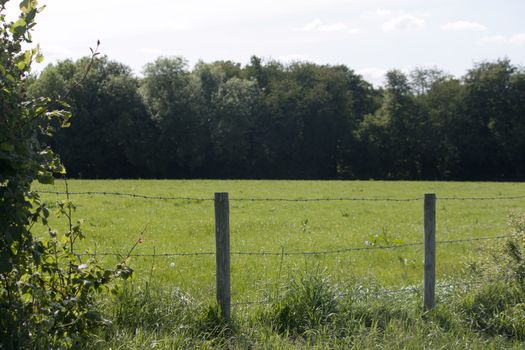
(479, 198)
(123, 194)
(335, 251)
(450, 241)
(133, 195)
(340, 199)
(284, 253)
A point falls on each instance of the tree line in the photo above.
(301, 120)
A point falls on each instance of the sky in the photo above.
(369, 37)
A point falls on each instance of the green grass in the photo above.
(113, 224)
(313, 312)
(315, 301)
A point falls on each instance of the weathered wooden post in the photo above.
(430, 251)
(222, 246)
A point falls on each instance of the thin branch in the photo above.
(139, 240)
(94, 54)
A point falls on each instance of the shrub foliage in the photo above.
(46, 290)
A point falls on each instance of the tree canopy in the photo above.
(295, 121)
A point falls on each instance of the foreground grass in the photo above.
(313, 312)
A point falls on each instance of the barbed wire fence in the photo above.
(275, 199)
(223, 253)
(292, 253)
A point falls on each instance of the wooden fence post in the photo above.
(222, 246)
(430, 251)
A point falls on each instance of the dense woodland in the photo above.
(288, 121)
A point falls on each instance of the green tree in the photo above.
(257, 70)
(112, 128)
(232, 126)
(175, 101)
(308, 110)
(393, 134)
(442, 107)
(487, 114)
(422, 79)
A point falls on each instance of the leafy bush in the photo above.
(46, 290)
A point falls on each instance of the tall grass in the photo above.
(314, 312)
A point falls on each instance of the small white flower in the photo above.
(172, 265)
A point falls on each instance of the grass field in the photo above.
(113, 224)
(334, 301)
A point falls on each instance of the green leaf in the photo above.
(45, 178)
(61, 169)
(10, 78)
(27, 5)
(18, 28)
(21, 65)
(26, 59)
(39, 58)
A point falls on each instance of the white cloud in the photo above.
(404, 22)
(313, 25)
(463, 26)
(516, 39)
(317, 25)
(333, 27)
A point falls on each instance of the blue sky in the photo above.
(368, 36)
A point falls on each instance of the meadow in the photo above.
(339, 294)
(114, 223)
